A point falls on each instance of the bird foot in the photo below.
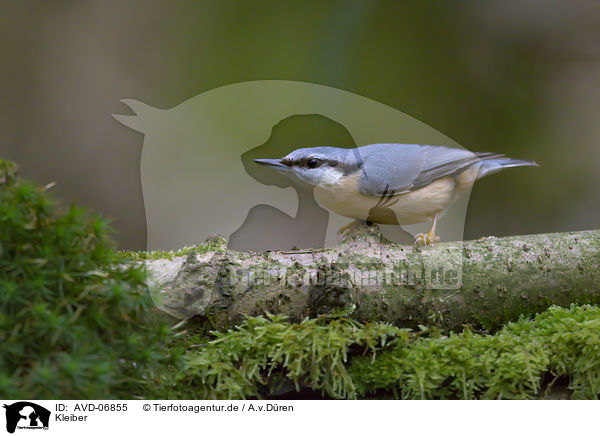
(426, 238)
(345, 229)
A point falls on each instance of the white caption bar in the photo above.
(297, 417)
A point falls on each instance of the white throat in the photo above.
(330, 177)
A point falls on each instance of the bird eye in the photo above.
(313, 163)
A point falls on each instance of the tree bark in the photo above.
(483, 283)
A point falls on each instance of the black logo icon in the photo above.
(26, 415)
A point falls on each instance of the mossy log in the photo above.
(483, 283)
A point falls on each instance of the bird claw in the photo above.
(343, 231)
(426, 238)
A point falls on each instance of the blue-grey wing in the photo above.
(390, 169)
(446, 161)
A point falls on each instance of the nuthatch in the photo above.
(390, 183)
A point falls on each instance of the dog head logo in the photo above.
(26, 415)
(198, 175)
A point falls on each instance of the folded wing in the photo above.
(392, 169)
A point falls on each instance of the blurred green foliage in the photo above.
(75, 320)
(515, 77)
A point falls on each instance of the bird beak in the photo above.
(275, 163)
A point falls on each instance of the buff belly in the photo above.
(411, 208)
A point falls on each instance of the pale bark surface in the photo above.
(484, 282)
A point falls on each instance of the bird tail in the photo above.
(493, 163)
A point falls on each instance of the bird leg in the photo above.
(428, 238)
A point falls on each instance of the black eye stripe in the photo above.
(303, 162)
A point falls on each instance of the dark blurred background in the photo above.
(520, 77)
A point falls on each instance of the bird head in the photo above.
(315, 166)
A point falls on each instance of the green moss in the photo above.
(266, 354)
(513, 363)
(215, 244)
(75, 320)
(340, 358)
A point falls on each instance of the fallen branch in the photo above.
(484, 282)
